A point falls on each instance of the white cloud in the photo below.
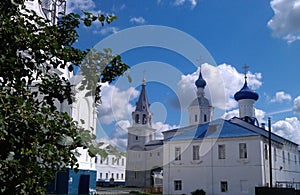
(78, 5)
(259, 114)
(181, 2)
(137, 20)
(118, 135)
(223, 82)
(288, 128)
(281, 96)
(160, 127)
(115, 103)
(106, 30)
(285, 22)
(296, 106)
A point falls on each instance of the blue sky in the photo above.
(264, 34)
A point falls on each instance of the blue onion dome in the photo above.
(200, 82)
(245, 93)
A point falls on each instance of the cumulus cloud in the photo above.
(281, 96)
(106, 30)
(119, 133)
(137, 20)
(118, 137)
(78, 5)
(223, 82)
(296, 107)
(259, 114)
(285, 22)
(161, 127)
(115, 103)
(288, 128)
(193, 3)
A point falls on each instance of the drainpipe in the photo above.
(270, 152)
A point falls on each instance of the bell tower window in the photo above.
(144, 119)
(205, 117)
(137, 118)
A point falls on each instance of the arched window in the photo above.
(144, 118)
(137, 118)
(205, 118)
(196, 118)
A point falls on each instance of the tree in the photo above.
(37, 140)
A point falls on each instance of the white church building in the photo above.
(219, 156)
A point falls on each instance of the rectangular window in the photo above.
(224, 186)
(177, 153)
(107, 161)
(275, 155)
(117, 175)
(177, 185)
(112, 175)
(106, 175)
(150, 154)
(266, 152)
(100, 175)
(196, 118)
(283, 157)
(196, 155)
(118, 161)
(112, 160)
(221, 151)
(136, 137)
(122, 176)
(243, 150)
(122, 161)
(289, 158)
(158, 153)
(101, 160)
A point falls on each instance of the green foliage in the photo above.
(37, 140)
(198, 192)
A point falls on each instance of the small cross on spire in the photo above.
(144, 79)
(246, 70)
(199, 60)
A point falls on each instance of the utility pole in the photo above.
(270, 151)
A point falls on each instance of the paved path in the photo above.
(116, 190)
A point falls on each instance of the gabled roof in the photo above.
(221, 128)
(216, 129)
(154, 143)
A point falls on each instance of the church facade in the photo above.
(219, 156)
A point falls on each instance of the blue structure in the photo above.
(71, 182)
(245, 93)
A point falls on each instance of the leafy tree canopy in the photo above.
(37, 140)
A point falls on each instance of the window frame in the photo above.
(221, 151)
(243, 153)
(224, 186)
(177, 185)
(196, 152)
(177, 153)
